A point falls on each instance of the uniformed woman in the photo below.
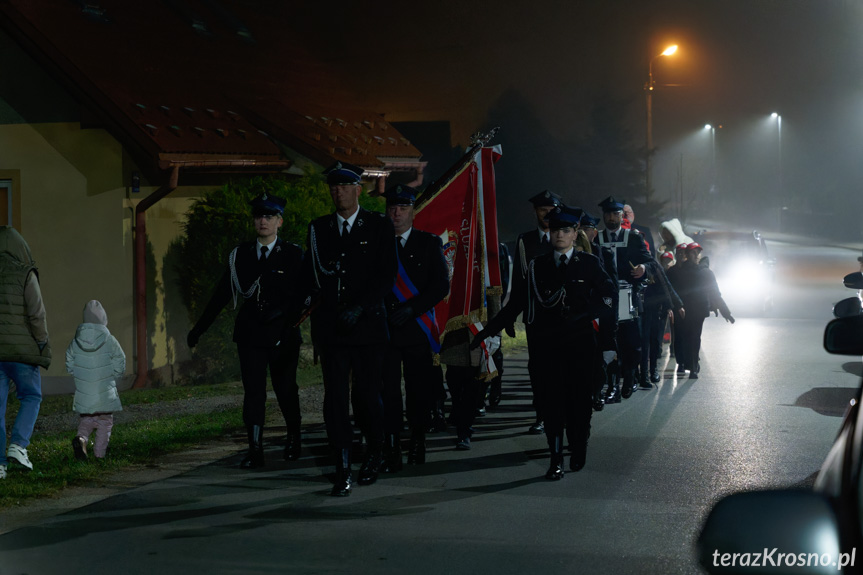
(562, 294)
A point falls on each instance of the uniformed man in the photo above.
(529, 245)
(266, 274)
(607, 371)
(351, 268)
(562, 295)
(631, 256)
(422, 282)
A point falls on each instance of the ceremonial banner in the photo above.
(463, 212)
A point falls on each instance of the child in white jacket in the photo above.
(95, 359)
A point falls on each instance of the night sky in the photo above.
(541, 65)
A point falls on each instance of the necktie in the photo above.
(264, 250)
(613, 236)
(401, 241)
(561, 267)
(544, 240)
(345, 230)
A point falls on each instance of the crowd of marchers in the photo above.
(370, 283)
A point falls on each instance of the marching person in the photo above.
(607, 372)
(561, 296)
(659, 297)
(645, 232)
(529, 245)
(699, 291)
(422, 282)
(631, 257)
(350, 268)
(24, 346)
(265, 273)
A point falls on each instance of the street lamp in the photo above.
(712, 156)
(781, 193)
(648, 91)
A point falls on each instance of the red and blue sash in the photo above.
(404, 289)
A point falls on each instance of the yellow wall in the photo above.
(77, 218)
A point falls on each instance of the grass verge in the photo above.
(137, 443)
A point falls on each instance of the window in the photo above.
(6, 203)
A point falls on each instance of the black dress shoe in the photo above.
(626, 390)
(579, 457)
(417, 449)
(693, 375)
(537, 428)
(681, 369)
(293, 447)
(392, 456)
(343, 481)
(654, 376)
(555, 470)
(645, 385)
(371, 466)
(598, 402)
(613, 395)
(463, 444)
(255, 457)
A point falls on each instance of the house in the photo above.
(116, 115)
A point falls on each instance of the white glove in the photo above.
(608, 356)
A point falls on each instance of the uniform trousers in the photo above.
(466, 392)
(353, 370)
(282, 362)
(533, 374)
(420, 386)
(689, 341)
(651, 336)
(567, 393)
(629, 344)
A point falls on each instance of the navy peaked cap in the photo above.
(341, 173)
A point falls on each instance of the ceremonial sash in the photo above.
(404, 289)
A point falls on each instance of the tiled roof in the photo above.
(193, 77)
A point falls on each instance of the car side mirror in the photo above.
(844, 336)
(853, 280)
(777, 532)
(848, 307)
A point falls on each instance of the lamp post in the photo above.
(712, 156)
(780, 191)
(648, 91)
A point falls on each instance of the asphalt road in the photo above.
(763, 414)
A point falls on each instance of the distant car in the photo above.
(798, 531)
(744, 269)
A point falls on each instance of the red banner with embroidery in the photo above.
(463, 212)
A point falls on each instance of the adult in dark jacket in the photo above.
(631, 257)
(24, 346)
(699, 291)
(265, 273)
(562, 295)
(659, 297)
(645, 232)
(351, 268)
(422, 282)
(529, 245)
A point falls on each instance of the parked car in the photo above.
(744, 269)
(798, 531)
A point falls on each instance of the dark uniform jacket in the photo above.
(528, 246)
(647, 236)
(634, 252)
(659, 291)
(344, 273)
(556, 302)
(698, 289)
(423, 260)
(271, 308)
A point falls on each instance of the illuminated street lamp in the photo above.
(782, 206)
(648, 91)
(712, 156)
